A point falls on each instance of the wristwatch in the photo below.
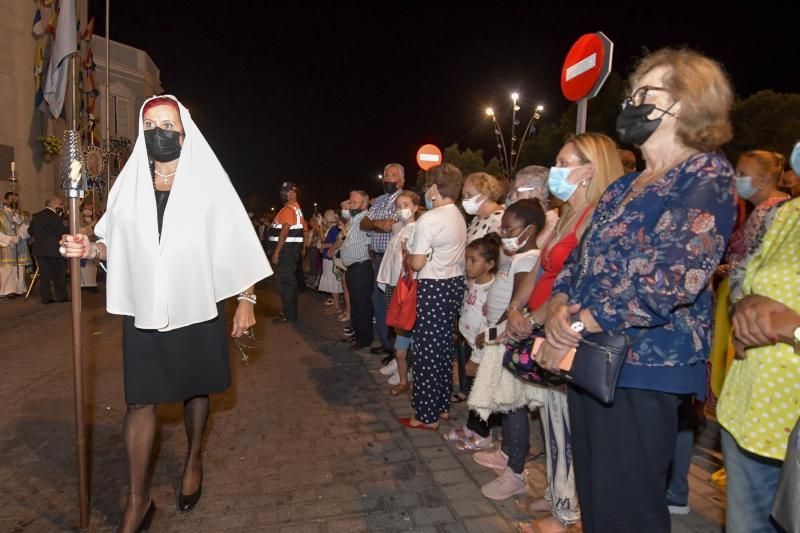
(797, 340)
(577, 325)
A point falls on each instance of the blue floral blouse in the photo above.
(648, 263)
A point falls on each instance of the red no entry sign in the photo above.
(428, 156)
(587, 66)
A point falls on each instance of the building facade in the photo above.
(133, 78)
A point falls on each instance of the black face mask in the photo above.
(59, 211)
(162, 145)
(389, 187)
(633, 126)
(284, 197)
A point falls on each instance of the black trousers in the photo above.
(622, 455)
(53, 270)
(286, 278)
(359, 284)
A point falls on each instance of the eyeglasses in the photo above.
(638, 96)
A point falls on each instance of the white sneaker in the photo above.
(395, 379)
(494, 459)
(506, 485)
(389, 369)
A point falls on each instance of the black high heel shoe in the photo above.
(147, 519)
(186, 502)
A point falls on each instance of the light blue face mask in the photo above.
(744, 186)
(558, 184)
(428, 202)
(794, 159)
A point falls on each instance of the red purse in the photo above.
(402, 313)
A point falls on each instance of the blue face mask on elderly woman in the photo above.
(558, 183)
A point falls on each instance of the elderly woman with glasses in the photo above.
(643, 270)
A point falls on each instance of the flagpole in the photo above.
(108, 102)
(77, 352)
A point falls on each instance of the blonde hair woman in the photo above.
(585, 166)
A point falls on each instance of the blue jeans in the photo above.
(752, 483)
(379, 306)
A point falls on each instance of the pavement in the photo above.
(306, 439)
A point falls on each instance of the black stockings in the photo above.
(195, 417)
(139, 433)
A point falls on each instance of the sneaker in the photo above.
(494, 459)
(348, 330)
(678, 509)
(506, 485)
(395, 379)
(390, 368)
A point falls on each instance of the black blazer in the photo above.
(46, 229)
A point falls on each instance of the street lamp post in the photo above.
(509, 156)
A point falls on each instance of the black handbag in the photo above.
(598, 363)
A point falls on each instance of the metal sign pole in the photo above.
(583, 105)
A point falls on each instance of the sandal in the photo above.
(532, 506)
(551, 524)
(399, 389)
(413, 423)
(476, 443)
(457, 434)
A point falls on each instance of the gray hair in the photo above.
(52, 200)
(399, 167)
(364, 195)
(534, 177)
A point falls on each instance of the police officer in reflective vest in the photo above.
(286, 236)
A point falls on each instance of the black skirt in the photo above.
(173, 366)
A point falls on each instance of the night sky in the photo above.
(325, 96)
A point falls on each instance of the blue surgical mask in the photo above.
(744, 186)
(794, 159)
(558, 184)
(428, 202)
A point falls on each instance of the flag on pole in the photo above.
(38, 25)
(66, 43)
(38, 64)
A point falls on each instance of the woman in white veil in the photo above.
(178, 243)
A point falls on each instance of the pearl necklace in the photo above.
(164, 177)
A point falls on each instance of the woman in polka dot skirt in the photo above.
(436, 251)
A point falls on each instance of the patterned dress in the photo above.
(760, 401)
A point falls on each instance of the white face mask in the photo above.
(472, 205)
(346, 214)
(512, 244)
(405, 214)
